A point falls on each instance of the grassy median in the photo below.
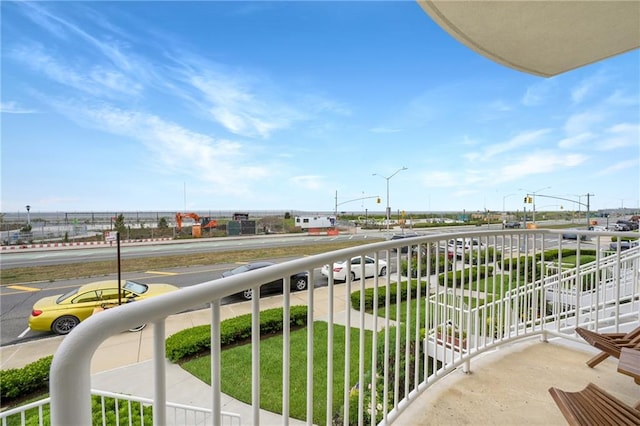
(102, 268)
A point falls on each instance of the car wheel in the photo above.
(247, 294)
(383, 271)
(353, 276)
(300, 283)
(64, 324)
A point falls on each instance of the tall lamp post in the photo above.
(388, 178)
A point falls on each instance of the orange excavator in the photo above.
(208, 222)
(180, 216)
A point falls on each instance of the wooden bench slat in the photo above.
(594, 406)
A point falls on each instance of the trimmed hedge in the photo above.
(196, 340)
(462, 276)
(18, 382)
(382, 293)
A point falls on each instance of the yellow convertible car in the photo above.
(61, 313)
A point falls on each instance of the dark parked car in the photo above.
(512, 225)
(573, 236)
(299, 281)
(624, 245)
(626, 225)
(403, 249)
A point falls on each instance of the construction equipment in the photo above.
(180, 216)
(196, 230)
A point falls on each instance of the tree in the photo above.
(162, 223)
(119, 224)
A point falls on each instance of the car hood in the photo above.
(156, 289)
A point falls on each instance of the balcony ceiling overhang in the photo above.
(543, 38)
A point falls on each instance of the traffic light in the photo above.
(528, 200)
(378, 200)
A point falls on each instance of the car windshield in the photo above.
(67, 295)
(240, 269)
(135, 287)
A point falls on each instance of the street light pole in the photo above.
(534, 200)
(388, 206)
(28, 207)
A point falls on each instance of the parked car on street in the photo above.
(460, 246)
(340, 268)
(61, 313)
(626, 225)
(299, 281)
(568, 235)
(403, 249)
(624, 245)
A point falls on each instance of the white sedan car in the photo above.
(340, 268)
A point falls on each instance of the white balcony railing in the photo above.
(503, 289)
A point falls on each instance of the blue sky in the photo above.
(143, 106)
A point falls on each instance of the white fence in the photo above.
(487, 295)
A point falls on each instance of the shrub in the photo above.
(196, 340)
(18, 382)
(382, 294)
(462, 277)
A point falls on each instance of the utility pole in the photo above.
(588, 207)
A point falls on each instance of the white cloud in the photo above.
(438, 179)
(581, 123)
(622, 165)
(577, 140)
(542, 162)
(620, 136)
(539, 93)
(587, 86)
(96, 80)
(382, 129)
(312, 182)
(525, 139)
(14, 108)
(227, 164)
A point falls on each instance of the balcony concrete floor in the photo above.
(509, 386)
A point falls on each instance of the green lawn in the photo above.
(236, 370)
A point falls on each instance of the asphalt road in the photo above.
(55, 256)
(17, 300)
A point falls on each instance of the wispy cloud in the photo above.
(622, 165)
(542, 162)
(539, 93)
(383, 129)
(577, 140)
(177, 149)
(14, 108)
(581, 123)
(587, 86)
(95, 80)
(527, 138)
(312, 182)
(620, 136)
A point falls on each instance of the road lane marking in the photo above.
(24, 333)
(19, 287)
(161, 273)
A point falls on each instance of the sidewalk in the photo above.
(124, 364)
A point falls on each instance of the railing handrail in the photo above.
(71, 366)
